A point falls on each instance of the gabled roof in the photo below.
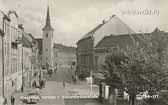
(27, 40)
(125, 40)
(92, 31)
(114, 26)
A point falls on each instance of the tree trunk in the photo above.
(113, 96)
(132, 99)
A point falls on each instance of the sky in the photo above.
(71, 19)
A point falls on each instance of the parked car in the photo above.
(31, 98)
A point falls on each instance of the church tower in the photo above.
(47, 49)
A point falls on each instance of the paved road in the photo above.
(62, 74)
(80, 88)
(54, 87)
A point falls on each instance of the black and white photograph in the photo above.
(83, 52)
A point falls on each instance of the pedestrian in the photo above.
(44, 82)
(64, 84)
(34, 84)
(12, 100)
(5, 102)
(40, 83)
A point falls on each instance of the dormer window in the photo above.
(46, 35)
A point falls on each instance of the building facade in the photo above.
(30, 65)
(47, 43)
(16, 49)
(64, 56)
(87, 57)
(40, 46)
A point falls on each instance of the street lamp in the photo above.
(2, 35)
(21, 27)
(5, 17)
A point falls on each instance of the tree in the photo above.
(140, 67)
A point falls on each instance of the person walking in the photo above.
(64, 84)
(12, 100)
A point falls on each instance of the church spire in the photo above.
(48, 24)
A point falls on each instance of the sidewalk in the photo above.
(18, 95)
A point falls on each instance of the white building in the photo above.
(12, 53)
(18, 48)
(47, 43)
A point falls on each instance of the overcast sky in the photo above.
(71, 19)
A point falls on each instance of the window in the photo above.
(46, 49)
(46, 35)
(46, 58)
(13, 83)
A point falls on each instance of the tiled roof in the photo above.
(64, 48)
(113, 41)
(92, 31)
(123, 40)
(27, 40)
(114, 26)
(40, 43)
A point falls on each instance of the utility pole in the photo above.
(2, 35)
(3, 74)
(93, 61)
(22, 88)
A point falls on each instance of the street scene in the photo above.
(83, 52)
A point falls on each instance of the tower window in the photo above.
(46, 49)
(46, 35)
(46, 58)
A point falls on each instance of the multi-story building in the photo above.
(4, 26)
(18, 50)
(86, 46)
(29, 58)
(11, 62)
(64, 56)
(15, 78)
